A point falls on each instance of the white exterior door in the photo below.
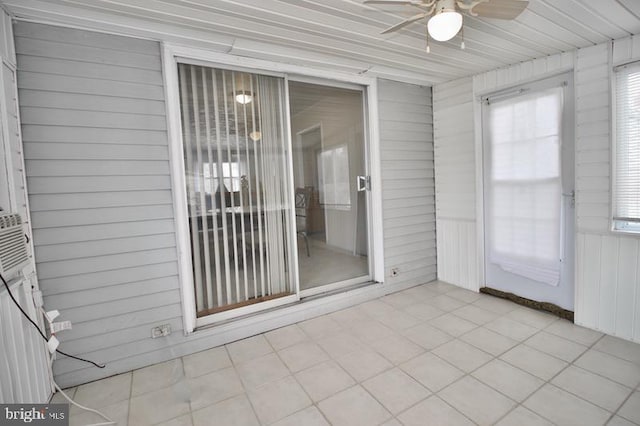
(529, 191)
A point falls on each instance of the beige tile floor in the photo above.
(430, 355)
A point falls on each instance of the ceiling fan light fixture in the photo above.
(445, 24)
(244, 97)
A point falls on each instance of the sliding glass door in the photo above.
(238, 188)
(329, 173)
(271, 217)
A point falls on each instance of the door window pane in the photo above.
(235, 153)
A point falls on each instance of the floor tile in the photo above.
(467, 296)
(370, 330)
(476, 400)
(475, 314)
(462, 355)
(375, 308)
(104, 392)
(445, 302)
(303, 355)
(324, 380)
(156, 376)
(161, 405)
(441, 287)
(564, 408)
(452, 324)
(619, 421)
(592, 387)
(320, 327)
(533, 361)
(310, 416)
(348, 316)
(631, 408)
(398, 300)
(423, 311)
(279, 399)
(396, 390)
(489, 341)
(364, 364)
(396, 348)
(510, 328)
(432, 371)
(495, 304)
(532, 317)
(621, 348)
(58, 398)
(509, 380)
(575, 333)
(353, 406)
(438, 413)
(341, 344)
(521, 416)
(398, 320)
(286, 336)
(391, 422)
(118, 412)
(236, 411)
(206, 361)
(421, 292)
(214, 387)
(427, 336)
(556, 346)
(260, 371)
(250, 348)
(609, 366)
(184, 420)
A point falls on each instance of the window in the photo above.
(626, 202)
(333, 164)
(524, 183)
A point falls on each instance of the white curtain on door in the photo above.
(525, 189)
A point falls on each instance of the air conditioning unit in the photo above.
(13, 245)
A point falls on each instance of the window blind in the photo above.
(627, 144)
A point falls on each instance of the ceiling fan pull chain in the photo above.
(462, 34)
(428, 47)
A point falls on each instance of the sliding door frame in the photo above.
(174, 54)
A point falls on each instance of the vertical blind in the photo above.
(627, 157)
(238, 195)
(525, 186)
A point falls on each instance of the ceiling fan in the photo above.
(444, 17)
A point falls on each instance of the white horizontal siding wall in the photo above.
(608, 263)
(406, 144)
(97, 163)
(455, 178)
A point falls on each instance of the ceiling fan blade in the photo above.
(500, 9)
(392, 2)
(404, 23)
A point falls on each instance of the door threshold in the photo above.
(533, 304)
(302, 300)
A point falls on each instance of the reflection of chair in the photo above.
(303, 197)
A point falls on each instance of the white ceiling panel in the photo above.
(345, 34)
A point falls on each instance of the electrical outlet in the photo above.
(395, 272)
(161, 331)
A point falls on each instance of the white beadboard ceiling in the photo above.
(344, 35)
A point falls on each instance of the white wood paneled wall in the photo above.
(608, 263)
(455, 176)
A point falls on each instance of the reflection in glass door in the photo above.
(329, 172)
(238, 187)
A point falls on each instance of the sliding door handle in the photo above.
(363, 183)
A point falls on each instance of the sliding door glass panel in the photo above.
(327, 126)
(238, 191)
